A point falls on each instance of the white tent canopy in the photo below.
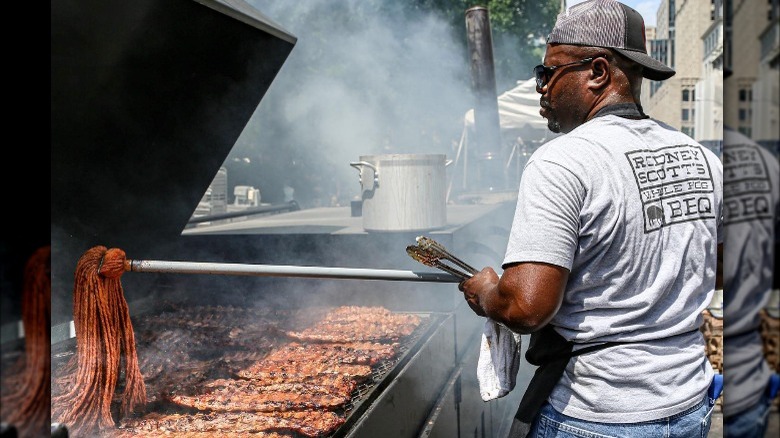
(518, 113)
(523, 129)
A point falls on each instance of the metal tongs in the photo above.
(431, 253)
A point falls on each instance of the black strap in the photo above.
(551, 353)
(542, 383)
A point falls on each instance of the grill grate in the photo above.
(382, 369)
(362, 397)
(384, 372)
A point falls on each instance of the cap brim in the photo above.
(653, 69)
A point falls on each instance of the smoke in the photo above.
(364, 78)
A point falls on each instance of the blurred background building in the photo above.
(689, 36)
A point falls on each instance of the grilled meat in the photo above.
(238, 367)
(216, 317)
(189, 337)
(272, 401)
(303, 423)
(121, 433)
(320, 384)
(365, 353)
(359, 330)
(351, 324)
(292, 370)
(316, 379)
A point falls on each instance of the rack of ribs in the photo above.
(292, 371)
(345, 325)
(122, 433)
(302, 423)
(361, 353)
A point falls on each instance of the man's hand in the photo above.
(525, 298)
(483, 282)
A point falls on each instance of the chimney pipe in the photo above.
(487, 153)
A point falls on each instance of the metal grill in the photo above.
(362, 397)
(384, 368)
(384, 373)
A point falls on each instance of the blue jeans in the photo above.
(692, 423)
(750, 423)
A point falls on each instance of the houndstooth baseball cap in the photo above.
(611, 24)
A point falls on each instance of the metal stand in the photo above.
(519, 153)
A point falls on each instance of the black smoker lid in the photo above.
(147, 99)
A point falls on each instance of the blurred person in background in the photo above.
(751, 222)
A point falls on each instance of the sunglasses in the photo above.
(543, 73)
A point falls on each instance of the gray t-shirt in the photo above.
(632, 208)
(751, 214)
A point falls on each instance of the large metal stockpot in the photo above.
(403, 192)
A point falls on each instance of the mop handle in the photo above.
(179, 267)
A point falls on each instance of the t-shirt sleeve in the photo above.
(546, 223)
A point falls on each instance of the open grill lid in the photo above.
(147, 99)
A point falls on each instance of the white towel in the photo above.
(499, 360)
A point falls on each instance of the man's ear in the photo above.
(599, 73)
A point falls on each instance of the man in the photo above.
(751, 221)
(612, 255)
